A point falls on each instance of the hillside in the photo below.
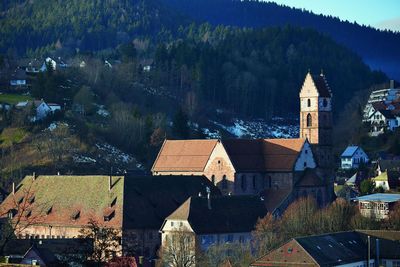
(378, 48)
(87, 25)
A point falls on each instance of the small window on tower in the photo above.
(325, 103)
(309, 120)
(308, 102)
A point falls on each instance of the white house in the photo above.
(352, 157)
(214, 220)
(377, 206)
(49, 61)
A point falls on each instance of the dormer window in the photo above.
(49, 210)
(308, 102)
(28, 213)
(20, 200)
(109, 215)
(31, 199)
(75, 215)
(12, 213)
(112, 204)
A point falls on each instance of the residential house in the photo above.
(48, 62)
(210, 220)
(135, 206)
(352, 157)
(382, 112)
(33, 67)
(387, 180)
(377, 206)
(18, 79)
(334, 249)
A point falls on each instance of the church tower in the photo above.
(316, 118)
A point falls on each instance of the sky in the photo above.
(382, 14)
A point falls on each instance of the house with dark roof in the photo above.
(333, 249)
(214, 220)
(61, 206)
(352, 157)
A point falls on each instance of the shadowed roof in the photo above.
(328, 250)
(226, 214)
(150, 199)
(322, 85)
(184, 155)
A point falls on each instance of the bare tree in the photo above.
(19, 212)
(179, 249)
(107, 241)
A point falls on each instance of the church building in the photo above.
(281, 170)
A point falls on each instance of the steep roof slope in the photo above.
(69, 200)
(184, 155)
(222, 214)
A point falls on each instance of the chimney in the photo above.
(13, 188)
(58, 173)
(109, 183)
(34, 176)
(391, 84)
(208, 197)
(377, 252)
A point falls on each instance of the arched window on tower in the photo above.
(325, 103)
(309, 120)
(308, 102)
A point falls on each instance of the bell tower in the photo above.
(316, 117)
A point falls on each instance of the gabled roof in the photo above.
(322, 85)
(349, 151)
(380, 105)
(281, 154)
(48, 258)
(226, 214)
(352, 180)
(330, 249)
(387, 114)
(184, 155)
(260, 155)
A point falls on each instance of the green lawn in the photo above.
(13, 98)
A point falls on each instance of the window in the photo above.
(308, 102)
(244, 183)
(324, 103)
(306, 151)
(309, 120)
(213, 179)
(269, 181)
(172, 224)
(305, 164)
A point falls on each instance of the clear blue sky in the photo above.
(376, 13)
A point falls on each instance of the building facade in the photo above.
(352, 157)
(377, 206)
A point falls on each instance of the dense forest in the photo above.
(257, 73)
(378, 48)
(87, 25)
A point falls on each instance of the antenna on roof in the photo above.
(13, 188)
(322, 72)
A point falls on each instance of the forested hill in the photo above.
(89, 25)
(378, 48)
(258, 72)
